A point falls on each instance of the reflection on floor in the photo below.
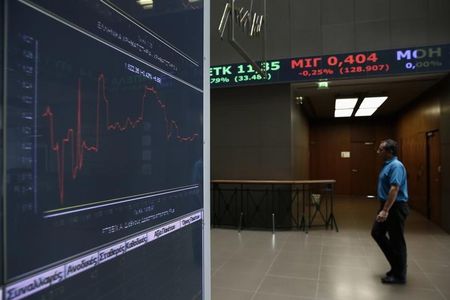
(325, 264)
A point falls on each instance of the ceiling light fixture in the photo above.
(345, 103)
(344, 107)
(340, 113)
(372, 102)
(146, 4)
(369, 106)
(365, 112)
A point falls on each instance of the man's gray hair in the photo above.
(390, 146)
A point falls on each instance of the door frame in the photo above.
(428, 135)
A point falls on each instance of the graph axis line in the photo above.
(114, 200)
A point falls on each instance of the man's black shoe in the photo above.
(389, 273)
(393, 280)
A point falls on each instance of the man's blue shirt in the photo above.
(393, 173)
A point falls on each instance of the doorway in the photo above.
(363, 168)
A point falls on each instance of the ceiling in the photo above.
(401, 90)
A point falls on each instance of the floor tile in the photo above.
(294, 269)
(262, 296)
(329, 265)
(288, 286)
(237, 280)
(228, 294)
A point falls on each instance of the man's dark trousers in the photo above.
(393, 245)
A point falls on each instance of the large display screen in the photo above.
(103, 160)
(340, 66)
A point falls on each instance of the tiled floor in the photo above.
(328, 265)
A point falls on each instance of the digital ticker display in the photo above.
(103, 131)
(340, 66)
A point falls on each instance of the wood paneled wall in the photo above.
(444, 92)
(329, 138)
(413, 124)
(327, 142)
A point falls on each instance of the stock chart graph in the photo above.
(73, 144)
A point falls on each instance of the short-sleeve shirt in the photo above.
(393, 173)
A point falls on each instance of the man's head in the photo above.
(387, 149)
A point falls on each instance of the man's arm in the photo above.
(383, 214)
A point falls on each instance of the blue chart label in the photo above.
(54, 275)
(353, 65)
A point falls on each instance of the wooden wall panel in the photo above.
(413, 157)
(329, 138)
(422, 116)
(444, 94)
(418, 119)
(327, 142)
(363, 132)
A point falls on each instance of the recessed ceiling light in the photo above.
(145, 2)
(365, 112)
(340, 113)
(345, 103)
(372, 102)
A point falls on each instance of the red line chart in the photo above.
(74, 139)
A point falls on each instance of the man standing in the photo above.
(393, 196)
